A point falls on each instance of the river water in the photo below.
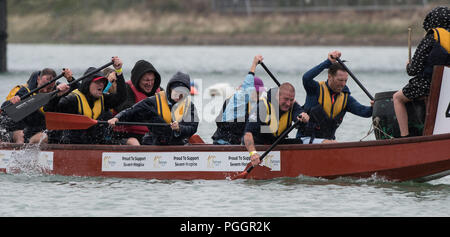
(378, 68)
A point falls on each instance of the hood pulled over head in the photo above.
(140, 68)
(438, 17)
(84, 87)
(181, 82)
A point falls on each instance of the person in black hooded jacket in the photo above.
(33, 125)
(13, 131)
(145, 82)
(145, 79)
(90, 101)
(174, 108)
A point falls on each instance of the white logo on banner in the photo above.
(183, 161)
(44, 158)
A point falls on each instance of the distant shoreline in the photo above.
(348, 28)
(236, 40)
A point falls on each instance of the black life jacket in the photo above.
(231, 131)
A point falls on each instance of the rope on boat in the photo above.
(371, 129)
(375, 126)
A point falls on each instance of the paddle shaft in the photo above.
(409, 44)
(63, 121)
(58, 77)
(270, 73)
(281, 137)
(25, 107)
(84, 77)
(354, 78)
(37, 89)
(91, 73)
(134, 123)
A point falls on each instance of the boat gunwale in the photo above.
(219, 148)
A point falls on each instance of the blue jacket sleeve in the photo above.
(309, 84)
(239, 99)
(354, 107)
(296, 111)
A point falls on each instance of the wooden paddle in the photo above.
(62, 121)
(409, 44)
(284, 134)
(270, 73)
(354, 78)
(196, 139)
(25, 107)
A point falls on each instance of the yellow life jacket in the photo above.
(85, 109)
(443, 37)
(277, 126)
(14, 91)
(332, 109)
(164, 111)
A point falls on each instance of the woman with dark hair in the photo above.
(433, 50)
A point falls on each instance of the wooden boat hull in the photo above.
(418, 158)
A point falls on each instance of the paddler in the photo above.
(272, 116)
(235, 111)
(89, 100)
(145, 82)
(110, 74)
(173, 107)
(432, 50)
(33, 125)
(328, 101)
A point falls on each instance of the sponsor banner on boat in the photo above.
(183, 161)
(17, 158)
(442, 123)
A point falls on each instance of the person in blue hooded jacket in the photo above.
(327, 102)
(232, 119)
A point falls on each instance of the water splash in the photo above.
(29, 160)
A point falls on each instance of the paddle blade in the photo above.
(242, 175)
(61, 121)
(196, 139)
(25, 107)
